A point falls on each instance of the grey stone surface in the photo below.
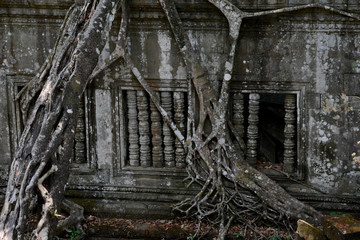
(313, 54)
(5, 150)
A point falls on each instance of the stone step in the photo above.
(341, 227)
(307, 231)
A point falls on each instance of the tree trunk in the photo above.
(50, 103)
(50, 106)
(223, 160)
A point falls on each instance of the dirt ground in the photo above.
(120, 228)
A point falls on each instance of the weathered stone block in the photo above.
(311, 53)
(296, 2)
(246, 3)
(309, 232)
(341, 227)
(351, 84)
(271, 3)
(314, 100)
(5, 148)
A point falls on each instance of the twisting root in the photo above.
(75, 218)
(48, 207)
(229, 188)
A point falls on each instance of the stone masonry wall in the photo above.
(310, 54)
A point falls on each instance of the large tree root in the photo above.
(230, 188)
(50, 106)
(75, 218)
(214, 161)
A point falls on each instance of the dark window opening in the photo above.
(271, 128)
(276, 124)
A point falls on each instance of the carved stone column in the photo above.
(238, 113)
(133, 127)
(156, 140)
(144, 129)
(179, 119)
(289, 132)
(169, 151)
(252, 131)
(80, 134)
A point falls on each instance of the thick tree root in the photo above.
(75, 218)
(230, 188)
(50, 106)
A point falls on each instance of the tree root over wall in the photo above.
(216, 163)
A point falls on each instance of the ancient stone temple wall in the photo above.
(294, 101)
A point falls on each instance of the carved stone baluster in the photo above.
(238, 113)
(179, 119)
(156, 125)
(133, 127)
(252, 131)
(80, 135)
(289, 132)
(169, 152)
(144, 129)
